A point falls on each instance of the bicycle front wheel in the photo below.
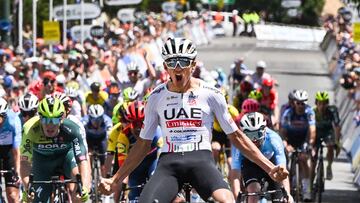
(320, 181)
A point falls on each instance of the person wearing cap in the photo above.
(48, 83)
(237, 72)
(259, 74)
(96, 96)
(139, 84)
(269, 100)
(241, 93)
(110, 103)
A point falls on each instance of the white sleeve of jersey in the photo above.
(219, 107)
(151, 120)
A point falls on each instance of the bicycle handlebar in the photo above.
(264, 193)
(12, 171)
(55, 180)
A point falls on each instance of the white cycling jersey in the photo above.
(186, 119)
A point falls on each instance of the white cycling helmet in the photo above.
(253, 125)
(261, 64)
(301, 95)
(64, 99)
(3, 106)
(71, 92)
(132, 66)
(28, 102)
(178, 47)
(95, 111)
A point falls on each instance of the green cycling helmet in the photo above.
(322, 96)
(119, 112)
(51, 107)
(255, 94)
(129, 94)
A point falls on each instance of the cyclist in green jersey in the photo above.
(327, 127)
(54, 146)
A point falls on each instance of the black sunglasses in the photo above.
(183, 62)
(300, 103)
(47, 81)
(30, 113)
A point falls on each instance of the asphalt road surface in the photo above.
(294, 66)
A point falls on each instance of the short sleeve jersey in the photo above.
(298, 125)
(186, 119)
(272, 149)
(35, 143)
(10, 131)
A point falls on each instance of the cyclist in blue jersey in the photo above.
(97, 126)
(10, 138)
(298, 130)
(270, 144)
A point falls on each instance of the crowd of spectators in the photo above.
(346, 62)
(104, 60)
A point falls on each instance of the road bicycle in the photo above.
(319, 184)
(60, 191)
(242, 197)
(96, 175)
(295, 179)
(14, 180)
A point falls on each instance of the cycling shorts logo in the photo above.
(183, 123)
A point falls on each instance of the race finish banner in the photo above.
(121, 2)
(356, 32)
(51, 32)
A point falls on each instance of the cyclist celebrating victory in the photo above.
(184, 108)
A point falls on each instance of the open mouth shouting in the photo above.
(178, 77)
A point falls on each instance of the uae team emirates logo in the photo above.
(182, 118)
(183, 123)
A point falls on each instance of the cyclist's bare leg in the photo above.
(305, 171)
(12, 194)
(72, 186)
(235, 182)
(330, 154)
(216, 147)
(223, 196)
(253, 187)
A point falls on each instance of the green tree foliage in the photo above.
(311, 10)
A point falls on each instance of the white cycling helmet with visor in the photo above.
(253, 125)
(301, 96)
(178, 48)
(28, 102)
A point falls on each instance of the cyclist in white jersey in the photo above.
(185, 108)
